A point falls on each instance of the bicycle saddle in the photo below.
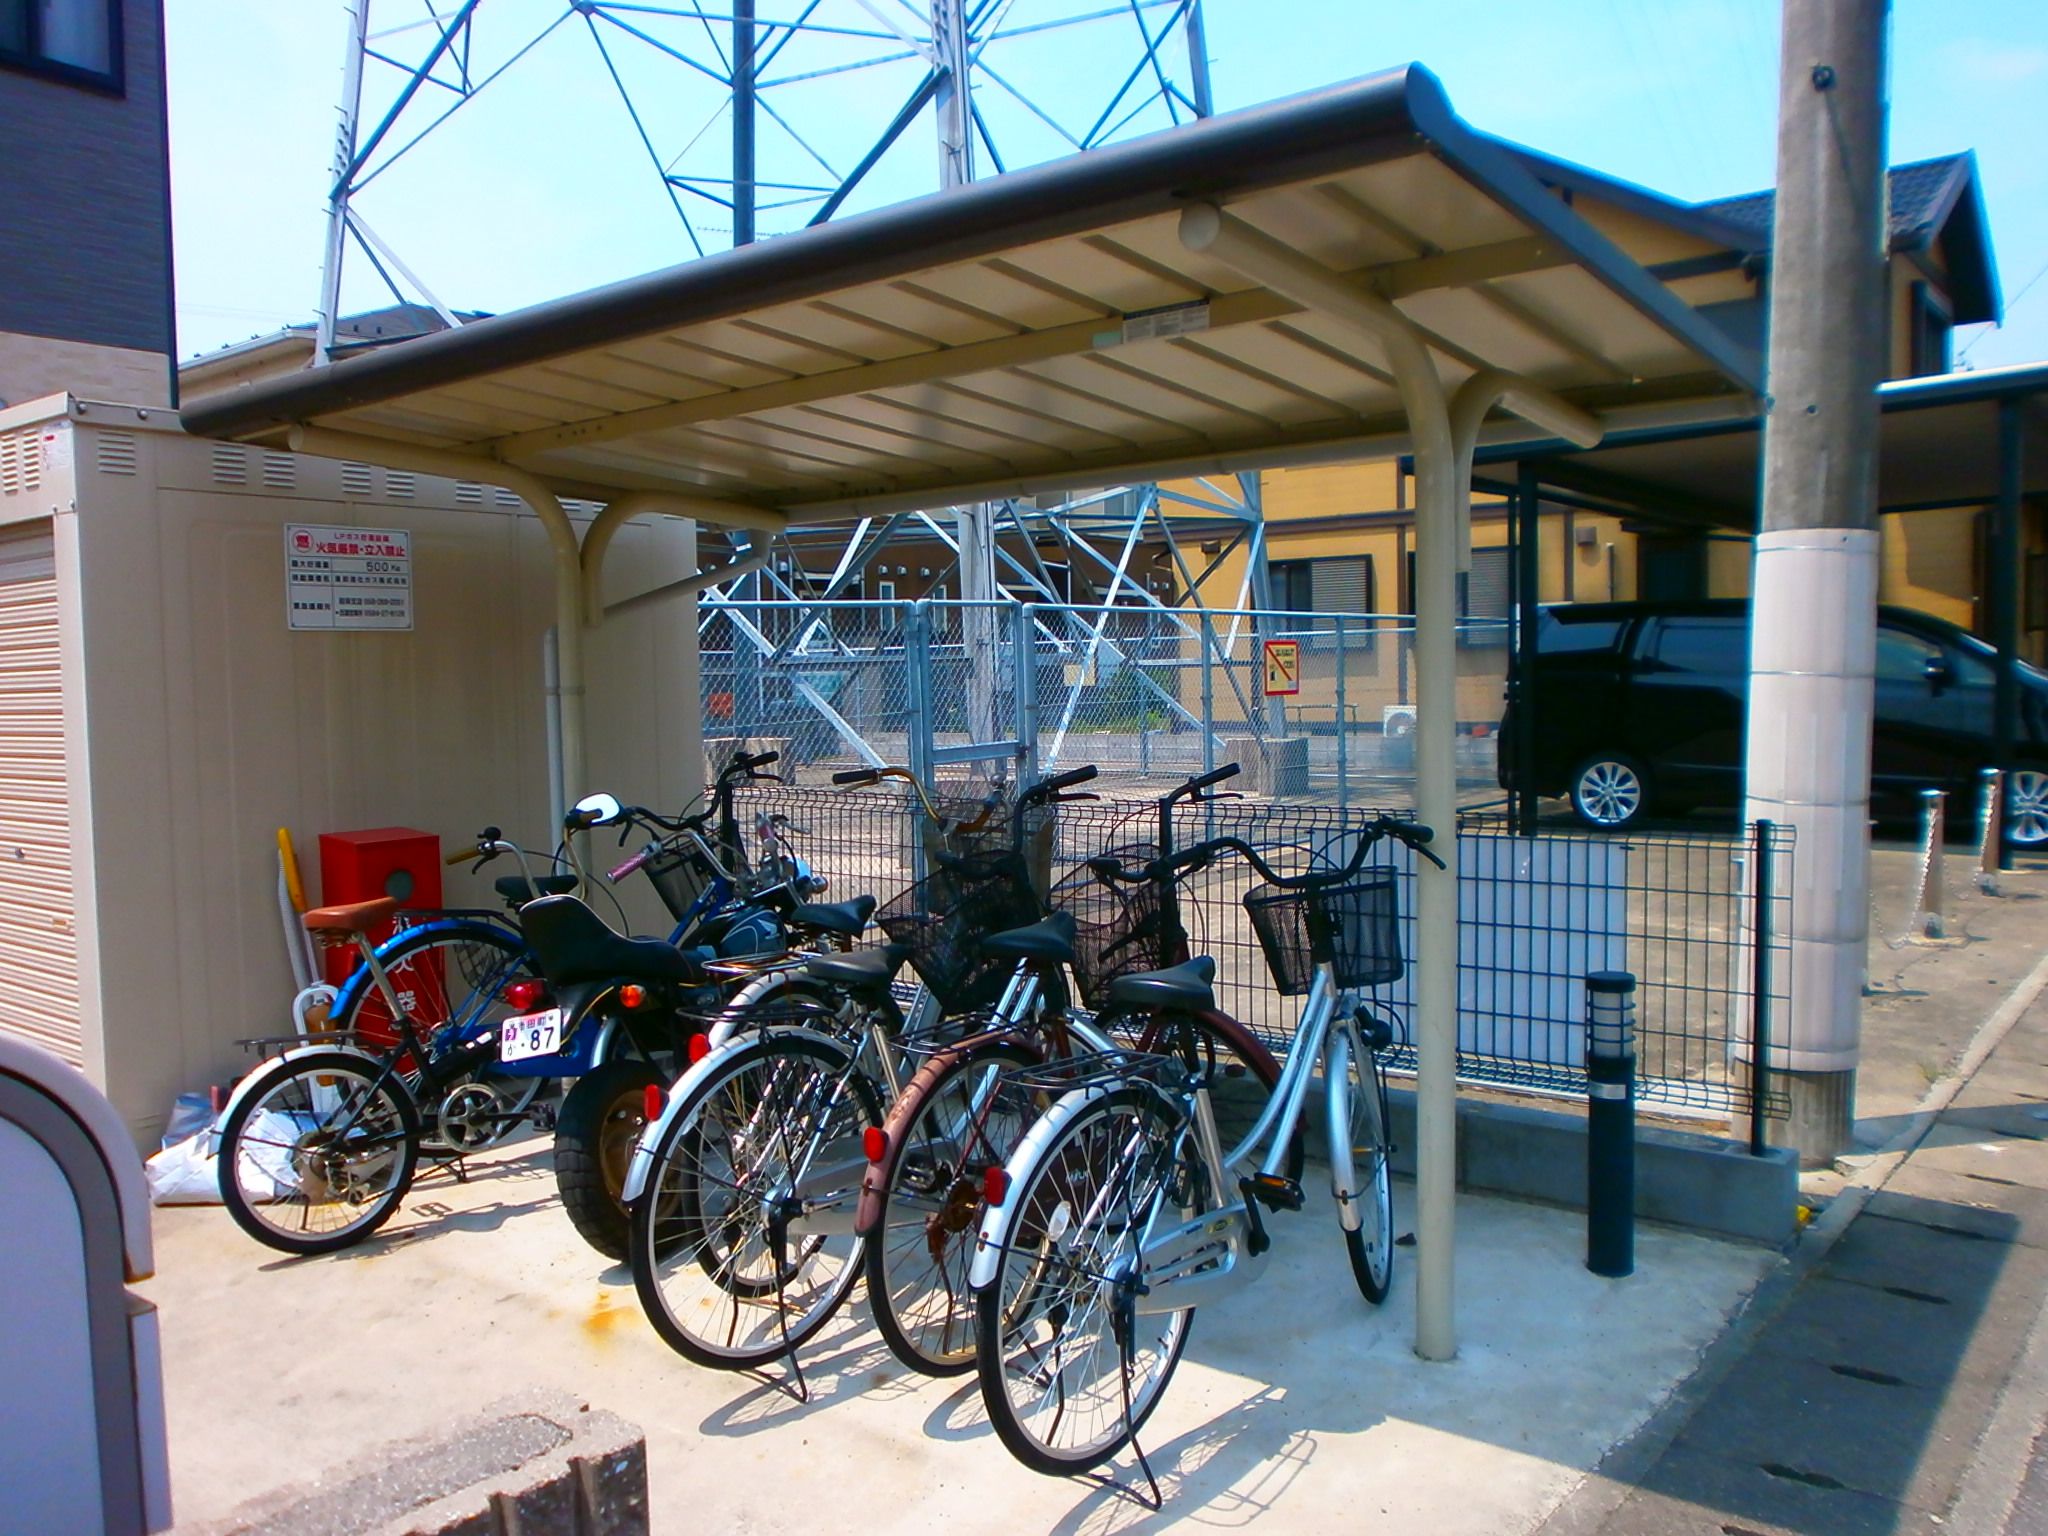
(571, 943)
(1189, 985)
(515, 888)
(343, 923)
(864, 968)
(847, 917)
(1050, 938)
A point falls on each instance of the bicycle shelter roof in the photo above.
(1048, 329)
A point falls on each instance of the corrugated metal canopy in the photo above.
(1046, 329)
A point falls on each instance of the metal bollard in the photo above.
(1930, 906)
(1611, 1123)
(1991, 833)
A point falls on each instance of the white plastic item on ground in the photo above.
(185, 1173)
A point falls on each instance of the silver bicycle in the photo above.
(1121, 1212)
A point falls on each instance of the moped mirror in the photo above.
(595, 811)
(1938, 674)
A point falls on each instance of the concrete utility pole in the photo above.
(1814, 616)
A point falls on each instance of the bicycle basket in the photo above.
(1118, 929)
(681, 873)
(1354, 926)
(943, 919)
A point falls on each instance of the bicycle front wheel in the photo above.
(1071, 1366)
(318, 1153)
(1360, 1151)
(742, 1238)
(957, 1119)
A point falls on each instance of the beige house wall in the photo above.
(32, 367)
(202, 724)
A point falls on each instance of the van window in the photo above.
(1703, 645)
(1558, 634)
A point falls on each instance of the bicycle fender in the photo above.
(642, 1161)
(242, 1089)
(997, 1220)
(358, 980)
(765, 986)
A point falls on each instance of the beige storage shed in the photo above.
(160, 718)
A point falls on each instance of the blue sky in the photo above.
(542, 186)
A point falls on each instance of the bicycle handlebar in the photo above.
(1413, 834)
(1046, 789)
(1201, 782)
(858, 776)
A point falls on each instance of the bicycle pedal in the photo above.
(1274, 1192)
(1256, 1241)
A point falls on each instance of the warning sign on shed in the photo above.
(347, 578)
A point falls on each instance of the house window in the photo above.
(1483, 596)
(1340, 585)
(1932, 329)
(74, 40)
(885, 591)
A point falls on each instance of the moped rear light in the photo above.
(525, 995)
(874, 1143)
(995, 1185)
(632, 996)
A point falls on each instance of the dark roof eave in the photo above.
(1382, 117)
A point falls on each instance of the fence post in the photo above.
(1025, 690)
(1760, 988)
(1611, 1123)
(1343, 723)
(1991, 830)
(917, 657)
(1930, 903)
(1208, 693)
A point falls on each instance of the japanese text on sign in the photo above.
(1283, 667)
(347, 578)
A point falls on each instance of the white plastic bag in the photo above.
(186, 1172)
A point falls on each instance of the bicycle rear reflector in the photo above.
(525, 996)
(700, 1047)
(652, 1101)
(995, 1185)
(874, 1143)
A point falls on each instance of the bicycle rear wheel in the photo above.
(1070, 1366)
(1359, 1155)
(957, 1119)
(742, 1238)
(318, 1153)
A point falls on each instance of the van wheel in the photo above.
(1608, 791)
(2026, 808)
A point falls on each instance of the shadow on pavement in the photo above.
(1852, 1414)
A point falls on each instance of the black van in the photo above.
(1639, 710)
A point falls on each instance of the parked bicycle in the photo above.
(949, 1134)
(744, 1191)
(1123, 1209)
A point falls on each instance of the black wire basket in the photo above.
(1354, 926)
(1119, 929)
(681, 873)
(944, 917)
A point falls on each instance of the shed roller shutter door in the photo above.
(38, 938)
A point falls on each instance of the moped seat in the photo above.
(847, 917)
(571, 943)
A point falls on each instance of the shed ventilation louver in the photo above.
(399, 485)
(21, 462)
(114, 453)
(280, 471)
(506, 498)
(358, 480)
(230, 465)
(468, 493)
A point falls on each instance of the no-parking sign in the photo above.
(1283, 668)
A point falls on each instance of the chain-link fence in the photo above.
(1678, 911)
(1316, 706)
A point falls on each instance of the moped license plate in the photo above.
(530, 1034)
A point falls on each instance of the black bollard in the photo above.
(1611, 1123)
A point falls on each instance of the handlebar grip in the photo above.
(463, 855)
(630, 865)
(750, 761)
(1415, 831)
(858, 776)
(1060, 781)
(1227, 771)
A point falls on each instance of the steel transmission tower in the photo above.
(756, 116)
